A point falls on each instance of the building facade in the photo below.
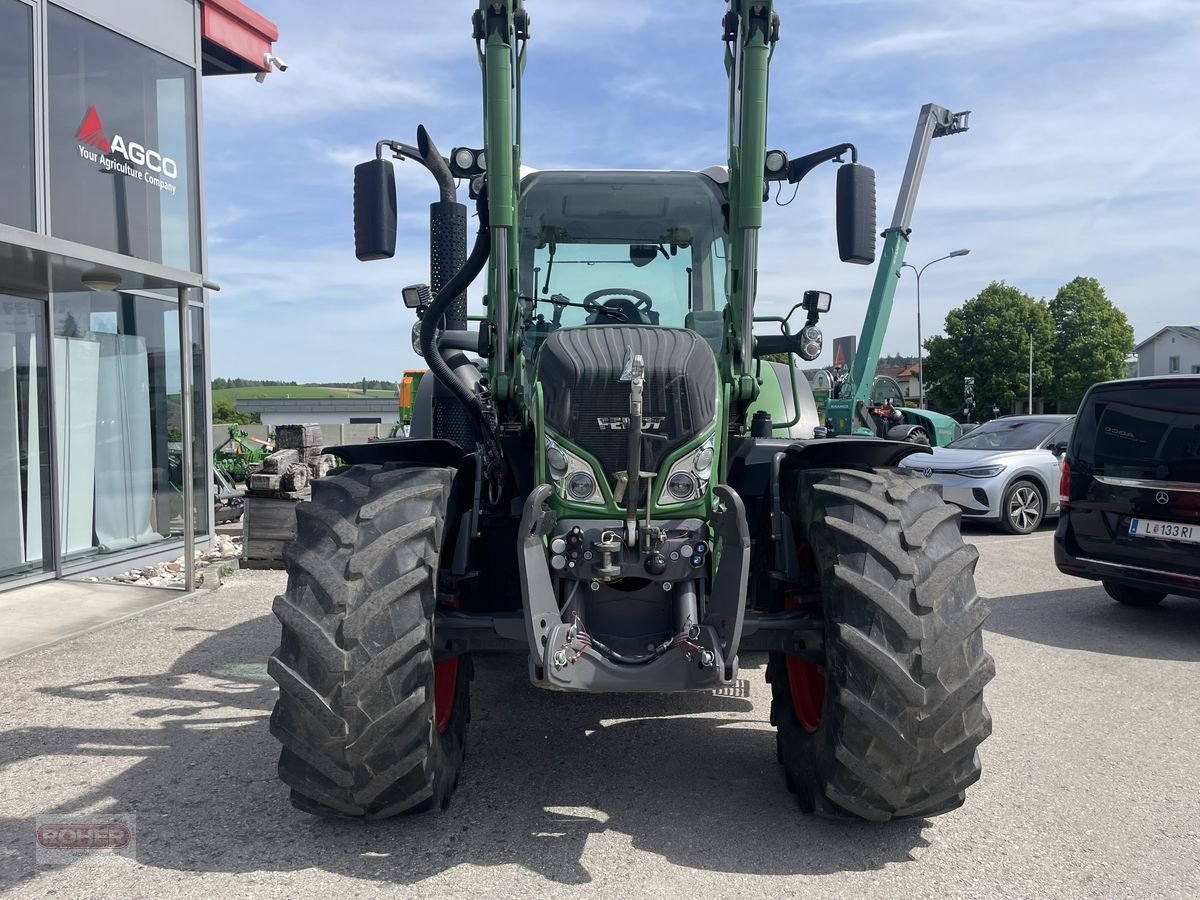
(1174, 350)
(104, 444)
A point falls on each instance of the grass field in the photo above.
(306, 392)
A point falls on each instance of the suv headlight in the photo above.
(573, 477)
(689, 476)
(982, 472)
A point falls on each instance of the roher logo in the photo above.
(76, 836)
(91, 134)
(92, 131)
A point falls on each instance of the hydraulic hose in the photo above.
(428, 336)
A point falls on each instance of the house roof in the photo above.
(1191, 332)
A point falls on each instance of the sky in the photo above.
(1083, 156)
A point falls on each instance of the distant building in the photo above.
(1172, 350)
(335, 411)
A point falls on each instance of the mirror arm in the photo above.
(802, 165)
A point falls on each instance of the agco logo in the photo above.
(621, 423)
(91, 132)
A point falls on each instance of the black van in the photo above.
(1130, 490)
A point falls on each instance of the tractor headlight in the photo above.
(689, 475)
(557, 460)
(573, 476)
(682, 486)
(581, 486)
(811, 343)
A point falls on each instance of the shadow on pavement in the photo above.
(544, 772)
(1086, 618)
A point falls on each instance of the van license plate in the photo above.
(1164, 531)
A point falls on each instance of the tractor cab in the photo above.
(622, 248)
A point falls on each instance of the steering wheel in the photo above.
(641, 303)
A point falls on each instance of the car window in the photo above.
(1062, 436)
(1146, 431)
(1006, 434)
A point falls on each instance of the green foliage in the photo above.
(1092, 340)
(224, 412)
(988, 339)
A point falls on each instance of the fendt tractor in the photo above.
(605, 476)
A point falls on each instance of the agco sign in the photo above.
(150, 163)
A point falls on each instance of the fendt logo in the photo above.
(91, 135)
(621, 423)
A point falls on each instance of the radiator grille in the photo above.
(580, 369)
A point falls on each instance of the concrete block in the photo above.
(265, 482)
(297, 437)
(280, 461)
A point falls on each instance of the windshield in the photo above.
(1007, 434)
(627, 248)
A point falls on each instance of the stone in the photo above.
(296, 478)
(279, 461)
(297, 437)
(264, 482)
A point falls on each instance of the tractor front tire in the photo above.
(887, 727)
(370, 726)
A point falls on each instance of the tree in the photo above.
(1092, 340)
(224, 412)
(988, 339)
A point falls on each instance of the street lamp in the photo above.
(920, 345)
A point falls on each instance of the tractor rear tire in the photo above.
(370, 726)
(888, 726)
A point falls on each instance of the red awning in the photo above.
(234, 38)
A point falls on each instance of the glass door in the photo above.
(25, 510)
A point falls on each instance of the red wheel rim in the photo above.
(806, 682)
(445, 680)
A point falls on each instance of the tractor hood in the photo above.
(585, 390)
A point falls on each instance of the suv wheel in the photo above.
(1130, 596)
(1022, 509)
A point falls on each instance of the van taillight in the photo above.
(1064, 485)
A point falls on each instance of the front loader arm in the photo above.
(501, 29)
(751, 30)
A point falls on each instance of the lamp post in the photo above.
(1030, 410)
(920, 344)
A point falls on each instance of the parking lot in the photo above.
(1088, 786)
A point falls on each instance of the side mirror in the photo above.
(375, 210)
(856, 214)
(817, 301)
(1059, 449)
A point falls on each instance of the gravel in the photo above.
(1088, 785)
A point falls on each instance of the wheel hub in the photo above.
(445, 681)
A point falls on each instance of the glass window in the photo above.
(122, 144)
(119, 421)
(1174, 365)
(1006, 434)
(619, 248)
(1141, 431)
(16, 114)
(25, 521)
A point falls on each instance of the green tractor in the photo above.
(606, 478)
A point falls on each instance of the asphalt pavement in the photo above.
(1089, 784)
